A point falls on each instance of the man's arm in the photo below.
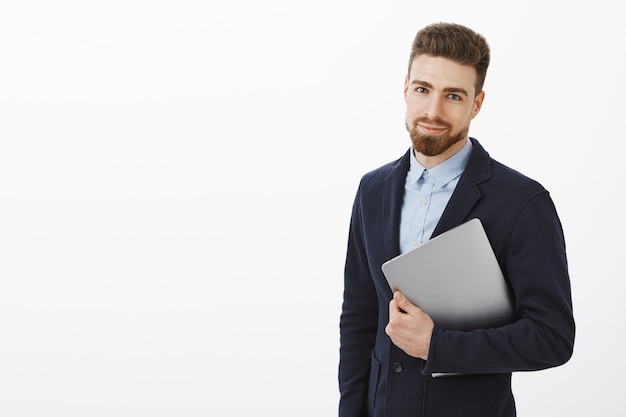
(535, 265)
(542, 337)
(358, 324)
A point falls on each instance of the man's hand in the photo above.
(409, 327)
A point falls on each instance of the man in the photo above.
(390, 349)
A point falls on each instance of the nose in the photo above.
(434, 108)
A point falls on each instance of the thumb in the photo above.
(402, 302)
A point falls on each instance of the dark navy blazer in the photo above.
(378, 379)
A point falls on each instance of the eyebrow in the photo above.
(447, 89)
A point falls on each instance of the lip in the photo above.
(430, 129)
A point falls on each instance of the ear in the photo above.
(406, 87)
(478, 103)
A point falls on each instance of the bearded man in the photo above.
(391, 351)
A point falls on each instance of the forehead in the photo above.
(442, 73)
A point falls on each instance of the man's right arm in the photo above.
(358, 324)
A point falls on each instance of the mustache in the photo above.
(436, 122)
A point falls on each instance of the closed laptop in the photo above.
(455, 278)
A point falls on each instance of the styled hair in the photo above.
(455, 42)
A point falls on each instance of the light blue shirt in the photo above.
(426, 194)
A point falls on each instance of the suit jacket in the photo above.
(378, 379)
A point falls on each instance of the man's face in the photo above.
(440, 104)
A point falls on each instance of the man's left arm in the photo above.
(543, 335)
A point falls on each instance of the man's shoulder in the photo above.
(482, 167)
(511, 176)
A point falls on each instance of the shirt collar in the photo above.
(446, 171)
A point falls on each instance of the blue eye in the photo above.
(454, 97)
(420, 90)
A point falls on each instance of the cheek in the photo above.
(464, 117)
(410, 112)
(471, 115)
(413, 107)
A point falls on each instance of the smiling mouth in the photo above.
(430, 129)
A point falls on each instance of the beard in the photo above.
(430, 145)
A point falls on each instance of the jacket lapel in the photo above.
(393, 197)
(467, 192)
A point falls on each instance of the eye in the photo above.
(421, 90)
(454, 97)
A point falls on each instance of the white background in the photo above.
(176, 179)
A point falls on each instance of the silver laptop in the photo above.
(455, 278)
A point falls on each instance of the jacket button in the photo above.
(397, 367)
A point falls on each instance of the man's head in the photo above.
(443, 89)
(455, 42)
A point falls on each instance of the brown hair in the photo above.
(456, 42)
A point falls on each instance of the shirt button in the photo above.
(397, 367)
(423, 201)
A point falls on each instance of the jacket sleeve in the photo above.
(358, 323)
(543, 336)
